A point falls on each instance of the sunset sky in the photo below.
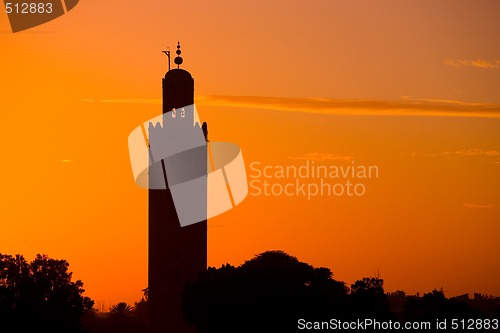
(412, 87)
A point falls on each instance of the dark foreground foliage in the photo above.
(272, 291)
(268, 293)
(39, 296)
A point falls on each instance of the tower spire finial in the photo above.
(178, 60)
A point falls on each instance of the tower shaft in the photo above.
(176, 254)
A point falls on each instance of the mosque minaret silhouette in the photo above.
(176, 254)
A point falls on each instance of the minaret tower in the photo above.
(176, 254)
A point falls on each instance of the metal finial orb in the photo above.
(178, 60)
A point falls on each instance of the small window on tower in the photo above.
(183, 113)
(174, 113)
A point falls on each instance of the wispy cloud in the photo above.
(402, 107)
(462, 152)
(123, 100)
(476, 205)
(478, 152)
(478, 63)
(323, 157)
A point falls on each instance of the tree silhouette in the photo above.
(141, 309)
(368, 299)
(435, 305)
(121, 310)
(40, 296)
(271, 292)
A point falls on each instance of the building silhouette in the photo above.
(176, 254)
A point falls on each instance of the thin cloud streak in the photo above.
(372, 107)
(476, 205)
(132, 101)
(462, 152)
(330, 106)
(323, 157)
(478, 63)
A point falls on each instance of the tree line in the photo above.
(268, 293)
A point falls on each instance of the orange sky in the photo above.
(411, 87)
